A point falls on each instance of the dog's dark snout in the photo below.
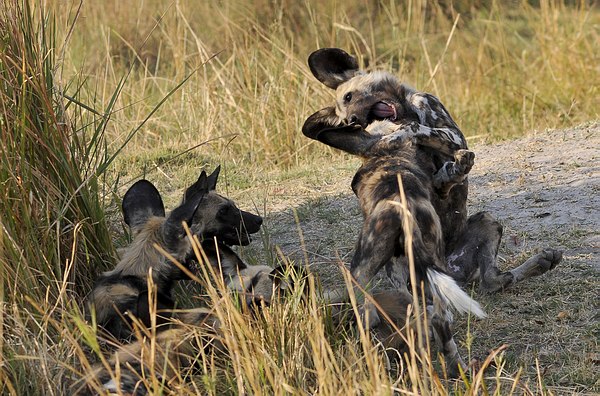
(251, 222)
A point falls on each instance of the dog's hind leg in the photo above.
(537, 265)
(377, 243)
(442, 334)
(474, 255)
(397, 272)
(476, 251)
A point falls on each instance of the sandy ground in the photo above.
(546, 186)
(545, 189)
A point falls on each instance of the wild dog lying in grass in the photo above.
(123, 292)
(390, 110)
(170, 355)
(255, 285)
(391, 331)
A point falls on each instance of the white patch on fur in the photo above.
(111, 386)
(386, 128)
(453, 257)
(446, 287)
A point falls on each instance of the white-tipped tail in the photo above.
(451, 292)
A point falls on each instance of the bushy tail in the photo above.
(446, 287)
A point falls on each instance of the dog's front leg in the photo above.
(453, 172)
(444, 140)
(326, 127)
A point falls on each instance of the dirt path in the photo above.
(545, 189)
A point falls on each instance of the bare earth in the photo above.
(545, 189)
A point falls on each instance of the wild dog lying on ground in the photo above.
(255, 285)
(392, 331)
(195, 332)
(123, 292)
(362, 101)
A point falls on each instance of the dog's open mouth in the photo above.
(384, 111)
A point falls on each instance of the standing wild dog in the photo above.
(123, 292)
(367, 107)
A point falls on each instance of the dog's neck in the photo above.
(143, 255)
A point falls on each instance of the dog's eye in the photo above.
(223, 211)
(348, 97)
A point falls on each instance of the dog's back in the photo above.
(123, 292)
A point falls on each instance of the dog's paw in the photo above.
(464, 161)
(537, 265)
(547, 260)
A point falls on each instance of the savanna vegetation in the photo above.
(95, 95)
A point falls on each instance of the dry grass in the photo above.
(95, 95)
(500, 70)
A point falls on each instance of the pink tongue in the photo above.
(383, 110)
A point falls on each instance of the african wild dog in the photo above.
(391, 330)
(471, 243)
(167, 355)
(123, 292)
(255, 285)
(178, 349)
(376, 117)
(388, 151)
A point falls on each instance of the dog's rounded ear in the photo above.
(212, 179)
(141, 202)
(332, 66)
